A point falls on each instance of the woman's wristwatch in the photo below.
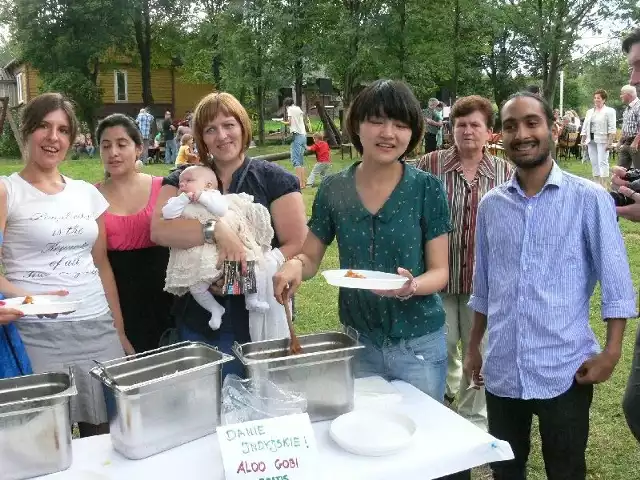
(207, 231)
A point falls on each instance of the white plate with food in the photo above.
(364, 279)
(41, 304)
(373, 432)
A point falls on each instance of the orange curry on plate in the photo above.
(352, 274)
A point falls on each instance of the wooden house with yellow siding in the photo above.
(121, 85)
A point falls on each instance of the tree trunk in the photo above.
(91, 115)
(259, 94)
(299, 34)
(456, 56)
(216, 64)
(402, 49)
(298, 73)
(142, 27)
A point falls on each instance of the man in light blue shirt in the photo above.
(543, 240)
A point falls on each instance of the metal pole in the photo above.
(561, 91)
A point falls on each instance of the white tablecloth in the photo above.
(445, 443)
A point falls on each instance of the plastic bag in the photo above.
(257, 399)
(272, 324)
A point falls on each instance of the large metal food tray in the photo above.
(323, 373)
(35, 427)
(163, 398)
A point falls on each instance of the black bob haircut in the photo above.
(546, 108)
(388, 99)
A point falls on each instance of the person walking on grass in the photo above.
(323, 158)
(169, 134)
(598, 134)
(433, 120)
(296, 120)
(144, 120)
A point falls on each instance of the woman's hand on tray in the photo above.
(403, 293)
(287, 280)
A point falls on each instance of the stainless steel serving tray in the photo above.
(163, 398)
(35, 427)
(323, 373)
(144, 371)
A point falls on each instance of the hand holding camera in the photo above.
(627, 198)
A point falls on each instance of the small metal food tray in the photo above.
(316, 347)
(163, 398)
(144, 371)
(35, 425)
(323, 373)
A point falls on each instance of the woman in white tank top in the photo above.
(55, 239)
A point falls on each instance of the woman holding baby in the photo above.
(222, 131)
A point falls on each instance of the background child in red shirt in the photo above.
(323, 158)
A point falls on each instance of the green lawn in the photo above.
(613, 454)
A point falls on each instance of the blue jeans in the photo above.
(420, 361)
(298, 147)
(224, 344)
(170, 151)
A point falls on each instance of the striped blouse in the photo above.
(464, 198)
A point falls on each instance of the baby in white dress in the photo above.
(195, 269)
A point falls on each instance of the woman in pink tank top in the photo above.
(139, 266)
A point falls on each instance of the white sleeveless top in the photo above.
(48, 241)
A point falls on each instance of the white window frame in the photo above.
(115, 86)
(19, 91)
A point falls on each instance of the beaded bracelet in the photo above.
(414, 288)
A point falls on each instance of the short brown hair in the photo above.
(386, 98)
(185, 138)
(318, 135)
(602, 92)
(473, 103)
(208, 108)
(41, 106)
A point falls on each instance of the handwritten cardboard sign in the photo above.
(282, 448)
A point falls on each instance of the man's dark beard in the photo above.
(539, 160)
(529, 165)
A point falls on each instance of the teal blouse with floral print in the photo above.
(415, 213)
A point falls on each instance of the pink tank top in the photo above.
(132, 232)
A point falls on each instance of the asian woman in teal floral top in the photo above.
(390, 217)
